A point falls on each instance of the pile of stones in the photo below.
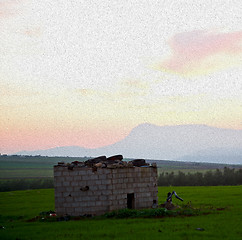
(110, 162)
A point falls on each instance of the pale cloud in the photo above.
(85, 92)
(126, 89)
(11, 90)
(201, 52)
(32, 32)
(134, 83)
(133, 88)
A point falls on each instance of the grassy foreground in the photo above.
(224, 223)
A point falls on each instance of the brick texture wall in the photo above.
(83, 191)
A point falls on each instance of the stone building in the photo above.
(104, 184)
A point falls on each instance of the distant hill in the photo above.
(183, 142)
(218, 155)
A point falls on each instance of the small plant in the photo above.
(149, 213)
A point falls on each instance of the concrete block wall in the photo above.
(83, 191)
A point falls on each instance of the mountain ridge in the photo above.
(151, 141)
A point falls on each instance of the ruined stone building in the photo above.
(104, 184)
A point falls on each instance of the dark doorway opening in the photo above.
(130, 200)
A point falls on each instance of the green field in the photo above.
(30, 167)
(224, 221)
(41, 167)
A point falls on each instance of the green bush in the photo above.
(25, 184)
(210, 178)
(149, 213)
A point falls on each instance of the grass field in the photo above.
(224, 222)
(39, 167)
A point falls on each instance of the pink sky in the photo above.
(189, 50)
(18, 139)
(80, 72)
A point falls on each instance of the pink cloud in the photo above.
(191, 49)
(32, 32)
(8, 8)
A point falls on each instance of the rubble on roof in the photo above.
(115, 161)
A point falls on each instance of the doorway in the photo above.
(130, 200)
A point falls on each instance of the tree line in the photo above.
(227, 176)
(25, 184)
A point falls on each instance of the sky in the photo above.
(85, 73)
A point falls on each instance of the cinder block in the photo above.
(85, 177)
(82, 172)
(74, 172)
(93, 177)
(115, 202)
(113, 208)
(146, 194)
(119, 191)
(68, 179)
(60, 200)
(146, 179)
(75, 194)
(102, 187)
(77, 189)
(109, 176)
(61, 189)
(90, 193)
(125, 180)
(130, 190)
(114, 181)
(84, 204)
(57, 173)
(103, 176)
(70, 210)
(100, 171)
(138, 175)
(98, 193)
(58, 184)
(74, 183)
(59, 210)
(130, 180)
(119, 186)
(98, 182)
(93, 188)
(108, 171)
(121, 180)
(77, 178)
(91, 204)
(86, 199)
(120, 175)
(75, 204)
(91, 183)
(106, 181)
(98, 203)
(68, 199)
(112, 197)
(121, 202)
(58, 194)
(103, 198)
(66, 173)
(107, 192)
(66, 204)
(129, 175)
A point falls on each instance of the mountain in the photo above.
(181, 142)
